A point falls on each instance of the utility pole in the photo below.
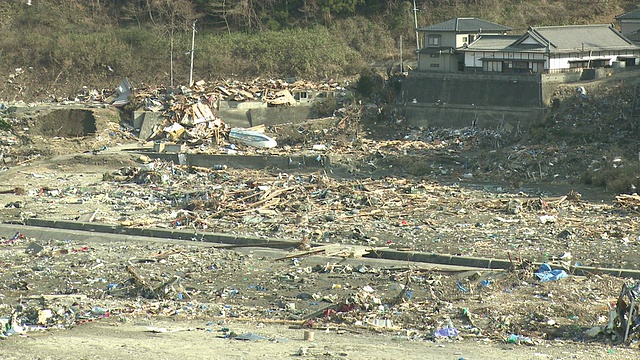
(415, 20)
(401, 61)
(193, 41)
(171, 59)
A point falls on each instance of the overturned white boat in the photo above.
(251, 138)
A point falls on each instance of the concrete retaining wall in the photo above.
(247, 116)
(464, 116)
(467, 89)
(279, 115)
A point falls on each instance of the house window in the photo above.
(434, 55)
(433, 40)
(599, 63)
(434, 65)
(578, 64)
(520, 65)
(471, 38)
(464, 39)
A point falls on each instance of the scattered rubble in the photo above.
(442, 191)
(63, 284)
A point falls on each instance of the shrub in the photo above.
(325, 107)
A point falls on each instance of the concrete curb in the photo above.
(312, 161)
(43, 228)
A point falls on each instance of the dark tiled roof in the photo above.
(466, 25)
(492, 42)
(574, 37)
(559, 39)
(634, 36)
(635, 14)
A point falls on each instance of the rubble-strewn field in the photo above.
(469, 192)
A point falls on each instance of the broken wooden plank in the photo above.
(310, 252)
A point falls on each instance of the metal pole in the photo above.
(193, 40)
(171, 60)
(401, 61)
(415, 19)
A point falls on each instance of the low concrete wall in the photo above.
(82, 231)
(245, 161)
(148, 121)
(259, 161)
(464, 116)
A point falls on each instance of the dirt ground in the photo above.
(201, 340)
(467, 192)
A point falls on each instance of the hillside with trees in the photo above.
(52, 48)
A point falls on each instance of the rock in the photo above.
(593, 332)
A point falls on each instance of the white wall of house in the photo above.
(595, 58)
(462, 39)
(473, 58)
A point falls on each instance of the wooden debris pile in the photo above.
(193, 110)
(191, 122)
(271, 91)
(628, 202)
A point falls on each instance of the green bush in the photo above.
(324, 107)
(617, 180)
(370, 84)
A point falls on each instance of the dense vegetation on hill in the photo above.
(61, 45)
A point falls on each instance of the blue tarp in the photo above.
(545, 273)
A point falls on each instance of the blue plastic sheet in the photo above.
(545, 273)
(446, 332)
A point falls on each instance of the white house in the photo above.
(548, 49)
(441, 41)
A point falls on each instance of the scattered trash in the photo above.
(249, 337)
(446, 332)
(387, 323)
(308, 335)
(627, 314)
(123, 92)
(519, 339)
(251, 138)
(303, 351)
(547, 219)
(582, 92)
(162, 330)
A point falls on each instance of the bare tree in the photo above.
(239, 14)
